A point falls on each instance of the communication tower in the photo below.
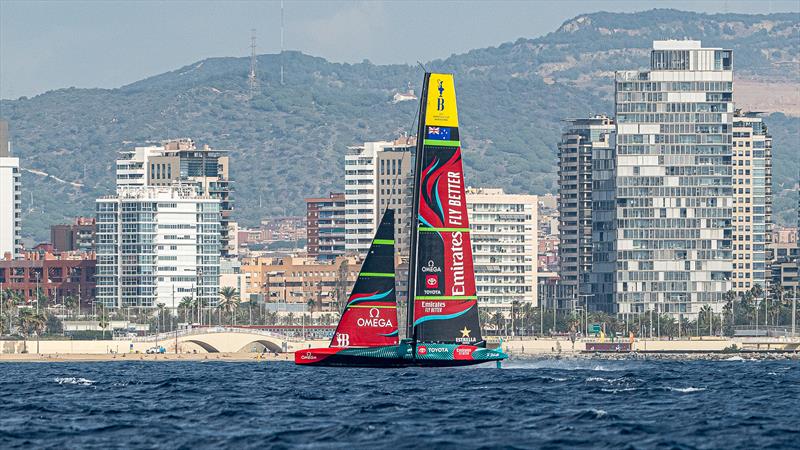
(252, 78)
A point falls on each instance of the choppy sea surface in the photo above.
(528, 404)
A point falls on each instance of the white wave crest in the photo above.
(616, 391)
(686, 389)
(74, 380)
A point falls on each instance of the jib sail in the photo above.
(441, 279)
(370, 317)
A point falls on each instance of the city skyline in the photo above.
(289, 250)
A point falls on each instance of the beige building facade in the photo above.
(504, 247)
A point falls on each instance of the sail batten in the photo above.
(443, 306)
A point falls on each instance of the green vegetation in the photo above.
(288, 142)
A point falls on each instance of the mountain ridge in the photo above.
(287, 142)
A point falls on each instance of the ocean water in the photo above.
(554, 404)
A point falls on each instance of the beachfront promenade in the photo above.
(231, 340)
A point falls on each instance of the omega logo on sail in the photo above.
(374, 320)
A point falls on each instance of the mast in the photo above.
(412, 262)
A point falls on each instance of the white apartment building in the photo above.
(157, 244)
(504, 247)
(376, 177)
(10, 197)
(181, 161)
(673, 195)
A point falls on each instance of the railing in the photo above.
(204, 330)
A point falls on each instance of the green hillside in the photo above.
(288, 142)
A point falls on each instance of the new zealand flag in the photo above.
(439, 133)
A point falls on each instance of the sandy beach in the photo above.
(88, 357)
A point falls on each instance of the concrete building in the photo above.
(504, 247)
(56, 275)
(673, 188)
(77, 236)
(752, 202)
(581, 139)
(325, 226)
(180, 161)
(294, 280)
(377, 176)
(10, 198)
(231, 276)
(157, 244)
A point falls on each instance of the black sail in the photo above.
(370, 317)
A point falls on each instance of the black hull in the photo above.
(390, 363)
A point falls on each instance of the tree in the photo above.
(186, 304)
(497, 320)
(103, 322)
(70, 302)
(311, 306)
(30, 322)
(228, 301)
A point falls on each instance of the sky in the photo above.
(47, 45)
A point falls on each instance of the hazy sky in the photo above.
(54, 44)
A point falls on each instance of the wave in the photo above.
(686, 389)
(74, 380)
(617, 391)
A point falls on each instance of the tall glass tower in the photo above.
(673, 181)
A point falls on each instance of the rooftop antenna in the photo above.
(281, 42)
(252, 78)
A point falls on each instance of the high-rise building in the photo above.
(581, 138)
(325, 226)
(10, 198)
(179, 160)
(673, 186)
(377, 177)
(504, 247)
(752, 202)
(77, 236)
(157, 244)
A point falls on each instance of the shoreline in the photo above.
(111, 357)
(289, 357)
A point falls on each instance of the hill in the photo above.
(287, 142)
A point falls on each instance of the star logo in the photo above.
(465, 332)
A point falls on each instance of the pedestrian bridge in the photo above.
(226, 340)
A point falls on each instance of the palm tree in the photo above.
(30, 322)
(497, 321)
(160, 321)
(185, 305)
(312, 304)
(103, 322)
(70, 302)
(483, 318)
(229, 301)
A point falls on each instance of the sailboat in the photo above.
(443, 328)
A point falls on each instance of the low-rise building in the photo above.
(301, 280)
(76, 236)
(56, 275)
